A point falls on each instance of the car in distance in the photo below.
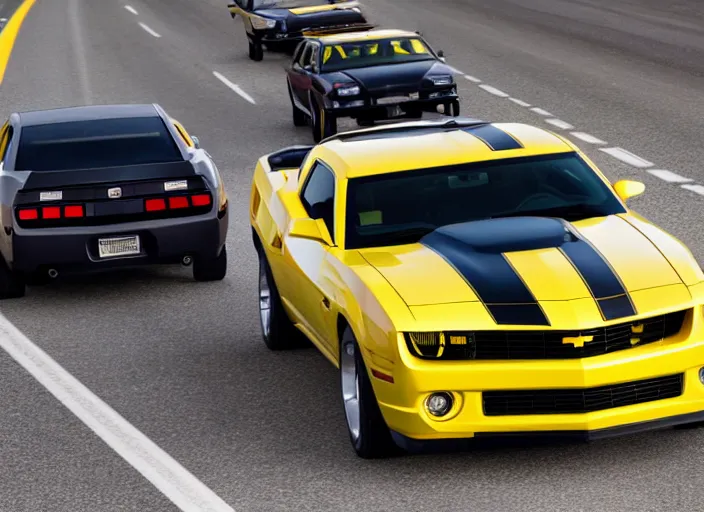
(369, 75)
(472, 279)
(98, 187)
(279, 24)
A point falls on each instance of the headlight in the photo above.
(347, 89)
(443, 346)
(260, 23)
(441, 80)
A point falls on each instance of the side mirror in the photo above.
(312, 229)
(626, 189)
(196, 141)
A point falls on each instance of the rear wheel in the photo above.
(211, 269)
(370, 437)
(452, 108)
(12, 284)
(256, 51)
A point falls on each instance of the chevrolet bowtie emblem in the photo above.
(577, 341)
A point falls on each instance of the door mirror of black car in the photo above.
(441, 54)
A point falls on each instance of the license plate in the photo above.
(121, 246)
(389, 100)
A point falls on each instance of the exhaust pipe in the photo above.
(53, 273)
(187, 260)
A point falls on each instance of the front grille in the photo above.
(576, 401)
(522, 345)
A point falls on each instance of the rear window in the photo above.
(96, 143)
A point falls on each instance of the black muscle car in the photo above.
(369, 76)
(279, 24)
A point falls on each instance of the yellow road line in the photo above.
(9, 34)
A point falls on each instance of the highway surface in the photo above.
(183, 362)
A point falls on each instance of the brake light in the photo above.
(73, 211)
(155, 205)
(178, 202)
(51, 212)
(29, 214)
(201, 200)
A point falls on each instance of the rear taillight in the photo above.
(51, 212)
(155, 205)
(177, 202)
(201, 200)
(73, 211)
(28, 214)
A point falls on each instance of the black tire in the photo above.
(690, 426)
(452, 108)
(211, 269)
(281, 333)
(256, 51)
(374, 440)
(323, 124)
(365, 122)
(299, 118)
(12, 284)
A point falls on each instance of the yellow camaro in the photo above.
(472, 279)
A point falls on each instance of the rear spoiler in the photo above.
(337, 29)
(58, 179)
(288, 158)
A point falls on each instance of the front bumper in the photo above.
(75, 249)
(402, 402)
(365, 109)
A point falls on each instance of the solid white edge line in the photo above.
(519, 102)
(187, 492)
(587, 138)
(131, 9)
(669, 176)
(699, 189)
(494, 91)
(541, 111)
(149, 30)
(234, 87)
(473, 79)
(627, 157)
(560, 124)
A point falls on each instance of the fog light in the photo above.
(701, 375)
(439, 404)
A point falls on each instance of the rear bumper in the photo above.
(76, 249)
(403, 402)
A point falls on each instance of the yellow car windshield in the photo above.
(401, 207)
(361, 54)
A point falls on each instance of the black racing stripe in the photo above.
(496, 139)
(492, 278)
(610, 295)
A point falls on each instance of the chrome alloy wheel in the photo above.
(264, 301)
(350, 388)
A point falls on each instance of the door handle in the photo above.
(326, 303)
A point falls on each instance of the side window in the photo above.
(299, 52)
(305, 56)
(315, 51)
(318, 196)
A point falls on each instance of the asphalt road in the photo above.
(184, 362)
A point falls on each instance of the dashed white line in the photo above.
(541, 112)
(669, 176)
(187, 492)
(494, 91)
(560, 124)
(587, 138)
(699, 189)
(131, 9)
(473, 79)
(519, 102)
(234, 87)
(148, 30)
(627, 157)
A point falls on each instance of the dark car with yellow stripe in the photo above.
(279, 24)
(368, 75)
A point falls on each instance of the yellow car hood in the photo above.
(540, 271)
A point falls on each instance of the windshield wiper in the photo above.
(569, 212)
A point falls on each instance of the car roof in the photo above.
(422, 144)
(86, 113)
(366, 35)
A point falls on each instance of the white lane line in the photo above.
(149, 30)
(234, 87)
(494, 91)
(669, 176)
(560, 124)
(473, 79)
(187, 492)
(699, 189)
(79, 51)
(519, 102)
(131, 9)
(627, 157)
(541, 112)
(587, 138)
